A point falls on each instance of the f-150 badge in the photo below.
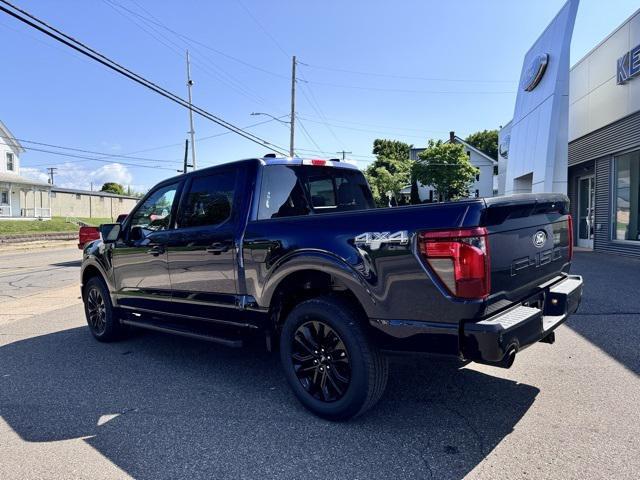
(374, 240)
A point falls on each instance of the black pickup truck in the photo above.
(296, 252)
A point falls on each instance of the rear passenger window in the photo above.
(209, 201)
(281, 194)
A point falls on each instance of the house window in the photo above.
(119, 200)
(4, 198)
(626, 208)
(9, 161)
(102, 199)
(78, 196)
(477, 177)
(477, 193)
(53, 194)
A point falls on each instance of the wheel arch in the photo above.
(311, 276)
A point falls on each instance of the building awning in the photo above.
(18, 180)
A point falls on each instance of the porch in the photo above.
(24, 199)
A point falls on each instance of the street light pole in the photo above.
(191, 130)
(293, 106)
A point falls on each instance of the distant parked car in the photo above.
(89, 234)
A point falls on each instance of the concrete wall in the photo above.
(94, 206)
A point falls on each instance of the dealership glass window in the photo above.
(626, 214)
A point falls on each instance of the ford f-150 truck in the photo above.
(295, 251)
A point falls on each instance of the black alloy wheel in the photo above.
(321, 361)
(96, 311)
(102, 318)
(330, 359)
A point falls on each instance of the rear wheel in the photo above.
(102, 318)
(332, 366)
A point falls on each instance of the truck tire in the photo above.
(102, 318)
(331, 364)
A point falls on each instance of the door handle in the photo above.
(218, 248)
(156, 250)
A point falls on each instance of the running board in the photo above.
(185, 333)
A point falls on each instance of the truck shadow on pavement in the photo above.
(159, 406)
(609, 315)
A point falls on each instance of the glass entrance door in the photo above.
(586, 211)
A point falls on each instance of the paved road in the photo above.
(29, 272)
(156, 406)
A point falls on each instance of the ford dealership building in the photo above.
(604, 143)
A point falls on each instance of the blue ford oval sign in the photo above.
(535, 71)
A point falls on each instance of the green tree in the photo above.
(113, 187)
(485, 141)
(446, 167)
(391, 171)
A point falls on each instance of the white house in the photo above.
(20, 197)
(485, 184)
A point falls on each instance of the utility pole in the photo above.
(191, 130)
(293, 106)
(344, 154)
(51, 171)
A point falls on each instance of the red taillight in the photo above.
(570, 225)
(460, 259)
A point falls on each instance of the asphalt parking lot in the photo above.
(156, 406)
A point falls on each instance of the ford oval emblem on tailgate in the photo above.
(540, 238)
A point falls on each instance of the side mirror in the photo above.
(110, 232)
(136, 234)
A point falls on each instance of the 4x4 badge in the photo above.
(375, 239)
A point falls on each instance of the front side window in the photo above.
(626, 216)
(9, 161)
(209, 200)
(155, 213)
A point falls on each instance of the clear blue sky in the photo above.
(462, 50)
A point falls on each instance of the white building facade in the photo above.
(485, 183)
(20, 197)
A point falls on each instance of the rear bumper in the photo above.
(495, 340)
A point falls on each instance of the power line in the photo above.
(154, 20)
(378, 126)
(96, 159)
(57, 35)
(74, 149)
(365, 130)
(406, 77)
(402, 90)
(265, 30)
(151, 30)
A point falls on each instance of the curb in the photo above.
(36, 237)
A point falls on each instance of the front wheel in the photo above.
(102, 319)
(331, 364)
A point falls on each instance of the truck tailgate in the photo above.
(530, 242)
